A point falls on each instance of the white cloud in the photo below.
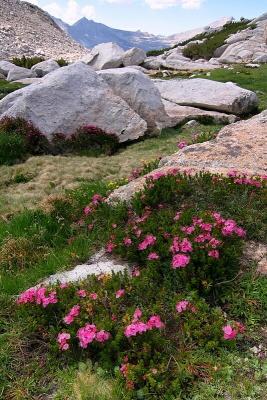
(71, 12)
(161, 4)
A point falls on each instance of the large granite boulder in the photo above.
(71, 97)
(17, 73)
(241, 146)
(45, 67)
(179, 115)
(209, 95)
(134, 56)
(104, 56)
(139, 92)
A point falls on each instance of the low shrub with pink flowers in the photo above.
(155, 326)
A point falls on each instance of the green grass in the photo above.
(48, 175)
(8, 87)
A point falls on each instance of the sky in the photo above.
(162, 17)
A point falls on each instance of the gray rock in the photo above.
(220, 50)
(134, 56)
(251, 65)
(28, 81)
(139, 92)
(2, 77)
(71, 97)
(5, 67)
(191, 124)
(17, 73)
(208, 95)
(45, 67)
(100, 263)
(179, 115)
(106, 55)
(261, 59)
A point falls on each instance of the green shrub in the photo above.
(34, 142)
(62, 63)
(90, 140)
(212, 41)
(27, 62)
(13, 148)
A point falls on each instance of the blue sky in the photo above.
(155, 16)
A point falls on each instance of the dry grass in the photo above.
(53, 174)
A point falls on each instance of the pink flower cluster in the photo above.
(180, 261)
(245, 179)
(73, 313)
(160, 174)
(230, 332)
(149, 240)
(120, 293)
(139, 327)
(62, 340)
(88, 333)
(181, 145)
(38, 296)
(96, 200)
(185, 305)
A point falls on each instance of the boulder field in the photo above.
(123, 101)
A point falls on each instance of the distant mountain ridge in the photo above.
(90, 33)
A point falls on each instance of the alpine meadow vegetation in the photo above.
(176, 325)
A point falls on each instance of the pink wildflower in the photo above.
(87, 210)
(86, 335)
(124, 370)
(229, 333)
(214, 254)
(27, 297)
(93, 296)
(182, 306)
(214, 243)
(114, 226)
(180, 261)
(96, 199)
(148, 241)
(127, 241)
(81, 293)
(135, 328)
(155, 322)
(110, 246)
(73, 313)
(102, 336)
(181, 145)
(188, 229)
(64, 285)
(153, 256)
(62, 340)
(136, 272)
(137, 315)
(177, 216)
(186, 246)
(120, 293)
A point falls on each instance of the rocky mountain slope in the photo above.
(247, 45)
(91, 33)
(27, 30)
